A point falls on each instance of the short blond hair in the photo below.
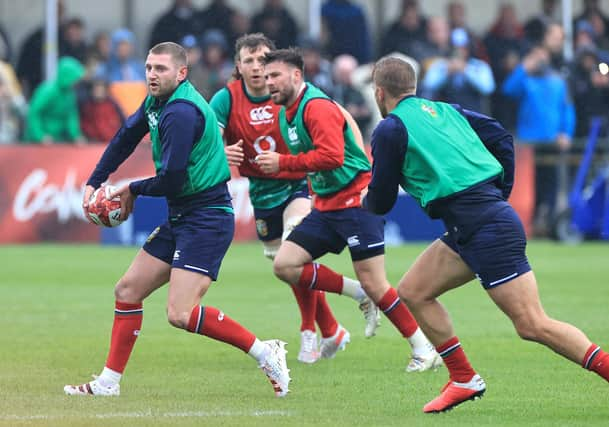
(394, 75)
(177, 52)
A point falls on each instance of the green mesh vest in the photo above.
(444, 154)
(207, 164)
(297, 138)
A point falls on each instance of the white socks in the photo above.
(258, 351)
(353, 289)
(108, 377)
(420, 344)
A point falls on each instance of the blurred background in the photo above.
(72, 71)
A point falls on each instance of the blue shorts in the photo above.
(495, 252)
(322, 232)
(195, 241)
(269, 222)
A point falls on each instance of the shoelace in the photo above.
(308, 343)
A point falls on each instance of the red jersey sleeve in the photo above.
(325, 123)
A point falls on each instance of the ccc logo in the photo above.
(264, 143)
(261, 114)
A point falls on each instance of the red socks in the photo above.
(317, 276)
(596, 360)
(456, 361)
(324, 316)
(211, 322)
(125, 330)
(398, 313)
(307, 303)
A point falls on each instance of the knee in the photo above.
(533, 328)
(285, 270)
(126, 291)
(177, 318)
(412, 294)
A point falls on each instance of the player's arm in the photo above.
(498, 141)
(357, 133)
(389, 143)
(180, 126)
(325, 124)
(118, 150)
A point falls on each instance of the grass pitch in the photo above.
(57, 310)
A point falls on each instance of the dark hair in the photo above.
(394, 75)
(177, 52)
(252, 41)
(290, 56)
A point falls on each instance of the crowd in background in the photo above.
(515, 71)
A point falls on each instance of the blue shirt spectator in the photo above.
(122, 65)
(348, 30)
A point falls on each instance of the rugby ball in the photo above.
(103, 210)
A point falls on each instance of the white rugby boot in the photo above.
(308, 347)
(275, 367)
(93, 388)
(330, 346)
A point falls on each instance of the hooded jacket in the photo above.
(53, 108)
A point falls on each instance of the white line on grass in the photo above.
(150, 414)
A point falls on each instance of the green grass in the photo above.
(57, 309)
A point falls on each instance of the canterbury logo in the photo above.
(220, 316)
(261, 114)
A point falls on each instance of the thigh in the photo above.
(297, 207)
(186, 288)
(316, 235)
(202, 239)
(518, 298)
(145, 275)
(438, 269)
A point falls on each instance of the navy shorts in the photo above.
(269, 222)
(495, 252)
(322, 232)
(195, 241)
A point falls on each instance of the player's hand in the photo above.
(85, 201)
(234, 153)
(127, 200)
(268, 162)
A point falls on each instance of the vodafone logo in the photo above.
(264, 143)
(261, 115)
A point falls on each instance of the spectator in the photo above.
(240, 24)
(74, 43)
(535, 27)
(599, 26)
(217, 68)
(590, 88)
(546, 118)
(13, 107)
(347, 30)
(99, 53)
(408, 29)
(218, 15)
(29, 63)
(317, 69)
(6, 53)
(122, 65)
(175, 23)
(460, 79)
(455, 10)
(591, 9)
(100, 115)
(503, 43)
(346, 94)
(436, 45)
(276, 22)
(53, 113)
(197, 75)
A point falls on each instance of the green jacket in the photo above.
(53, 108)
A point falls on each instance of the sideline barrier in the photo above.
(41, 194)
